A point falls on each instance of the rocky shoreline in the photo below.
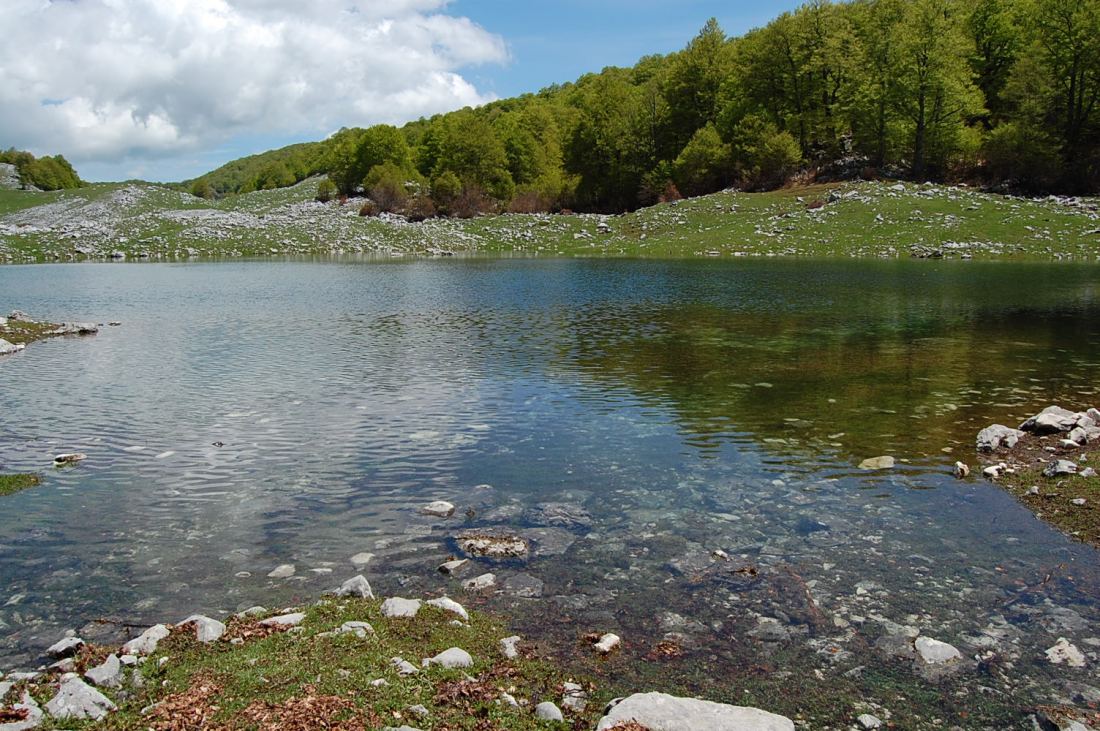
(1046, 464)
(175, 677)
(18, 330)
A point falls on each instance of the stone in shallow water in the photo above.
(452, 568)
(877, 463)
(77, 700)
(661, 712)
(362, 559)
(561, 515)
(492, 544)
(284, 571)
(523, 586)
(439, 509)
(480, 583)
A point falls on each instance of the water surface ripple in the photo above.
(257, 413)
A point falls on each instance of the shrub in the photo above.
(369, 209)
(326, 191)
(472, 202)
(419, 208)
(1021, 155)
(446, 188)
(530, 201)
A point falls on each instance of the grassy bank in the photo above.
(864, 219)
(309, 676)
(1057, 500)
(11, 484)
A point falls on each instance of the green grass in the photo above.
(855, 219)
(11, 484)
(21, 331)
(283, 673)
(1054, 503)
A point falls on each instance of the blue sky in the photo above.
(165, 91)
(559, 41)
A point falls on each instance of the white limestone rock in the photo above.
(76, 700)
(399, 608)
(450, 605)
(206, 629)
(661, 712)
(356, 586)
(146, 642)
(451, 659)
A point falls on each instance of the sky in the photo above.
(166, 90)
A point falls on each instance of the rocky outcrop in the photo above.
(994, 437)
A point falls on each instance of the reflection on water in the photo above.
(684, 407)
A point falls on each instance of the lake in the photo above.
(252, 414)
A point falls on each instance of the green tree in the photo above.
(996, 44)
(326, 191)
(201, 188)
(704, 164)
(472, 151)
(936, 91)
(691, 89)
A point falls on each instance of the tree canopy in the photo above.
(995, 91)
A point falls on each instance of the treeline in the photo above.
(44, 173)
(1002, 92)
(269, 170)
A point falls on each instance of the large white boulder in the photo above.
(661, 712)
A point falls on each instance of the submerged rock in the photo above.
(877, 463)
(661, 712)
(561, 515)
(283, 571)
(492, 544)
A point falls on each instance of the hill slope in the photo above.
(854, 219)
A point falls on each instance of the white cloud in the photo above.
(104, 80)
